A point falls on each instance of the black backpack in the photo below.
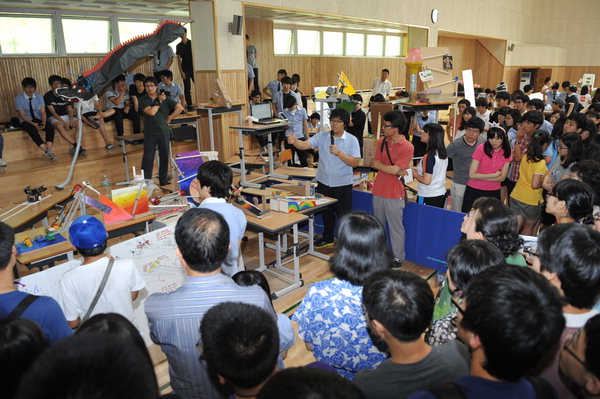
(542, 388)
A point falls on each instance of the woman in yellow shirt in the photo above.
(526, 197)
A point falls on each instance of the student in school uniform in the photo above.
(286, 91)
(358, 118)
(60, 113)
(339, 153)
(298, 126)
(175, 91)
(275, 85)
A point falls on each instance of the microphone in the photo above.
(331, 137)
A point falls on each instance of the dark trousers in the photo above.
(151, 142)
(302, 156)
(35, 134)
(118, 117)
(344, 205)
(438, 201)
(420, 148)
(256, 86)
(471, 194)
(187, 86)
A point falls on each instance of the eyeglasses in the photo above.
(570, 342)
(390, 125)
(336, 121)
(562, 147)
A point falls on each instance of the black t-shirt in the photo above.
(60, 105)
(133, 92)
(572, 99)
(359, 119)
(184, 50)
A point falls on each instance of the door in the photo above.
(540, 76)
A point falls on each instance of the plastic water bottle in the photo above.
(106, 185)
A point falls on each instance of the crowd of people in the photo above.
(510, 319)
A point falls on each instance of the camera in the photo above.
(34, 194)
(165, 92)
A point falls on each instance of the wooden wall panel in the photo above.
(318, 70)
(559, 74)
(14, 69)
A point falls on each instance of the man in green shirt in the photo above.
(158, 110)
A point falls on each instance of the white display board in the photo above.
(154, 256)
(469, 86)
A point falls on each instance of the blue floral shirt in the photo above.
(331, 318)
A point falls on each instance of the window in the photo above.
(86, 35)
(393, 46)
(374, 45)
(333, 43)
(355, 44)
(131, 29)
(309, 42)
(282, 40)
(26, 35)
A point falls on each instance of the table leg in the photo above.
(261, 250)
(311, 239)
(210, 130)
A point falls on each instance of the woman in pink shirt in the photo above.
(488, 167)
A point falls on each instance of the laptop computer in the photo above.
(263, 112)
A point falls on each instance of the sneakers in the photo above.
(50, 155)
(110, 147)
(93, 122)
(2, 163)
(323, 243)
(72, 150)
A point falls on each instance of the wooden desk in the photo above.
(210, 111)
(137, 223)
(249, 128)
(309, 173)
(424, 106)
(44, 256)
(23, 216)
(64, 250)
(277, 223)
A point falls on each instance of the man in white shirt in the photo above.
(78, 287)
(382, 85)
(483, 112)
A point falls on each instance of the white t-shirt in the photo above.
(78, 287)
(437, 168)
(486, 118)
(383, 88)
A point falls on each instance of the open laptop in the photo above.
(263, 112)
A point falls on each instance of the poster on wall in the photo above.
(447, 61)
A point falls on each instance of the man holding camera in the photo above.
(158, 111)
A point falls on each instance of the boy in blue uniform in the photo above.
(32, 114)
(175, 91)
(298, 126)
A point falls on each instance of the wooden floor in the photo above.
(97, 163)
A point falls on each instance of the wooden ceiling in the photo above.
(151, 7)
(296, 17)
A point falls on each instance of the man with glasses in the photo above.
(510, 318)
(158, 110)
(580, 359)
(568, 255)
(461, 152)
(339, 152)
(392, 157)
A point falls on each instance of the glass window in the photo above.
(131, 29)
(393, 46)
(333, 43)
(86, 35)
(26, 35)
(355, 44)
(374, 45)
(282, 40)
(309, 42)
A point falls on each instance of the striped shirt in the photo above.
(174, 319)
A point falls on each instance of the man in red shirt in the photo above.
(392, 158)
